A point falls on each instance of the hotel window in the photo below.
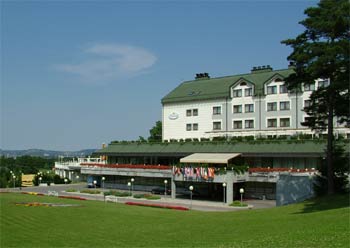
(309, 87)
(237, 109)
(216, 110)
(284, 122)
(249, 124)
(271, 90)
(248, 92)
(284, 106)
(271, 122)
(189, 112)
(217, 125)
(249, 108)
(237, 93)
(195, 112)
(272, 106)
(237, 124)
(322, 83)
(283, 89)
(188, 127)
(307, 103)
(195, 126)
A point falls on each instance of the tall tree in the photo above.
(156, 132)
(322, 52)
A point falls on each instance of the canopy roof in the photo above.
(210, 158)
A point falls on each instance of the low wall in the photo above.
(292, 189)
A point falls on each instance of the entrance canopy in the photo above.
(209, 158)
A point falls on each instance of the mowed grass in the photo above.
(317, 223)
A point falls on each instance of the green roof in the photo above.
(211, 88)
(287, 148)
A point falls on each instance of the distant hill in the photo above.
(46, 153)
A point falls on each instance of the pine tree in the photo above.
(322, 52)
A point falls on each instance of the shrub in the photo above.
(238, 204)
(90, 191)
(71, 190)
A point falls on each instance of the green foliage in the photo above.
(90, 191)
(341, 167)
(71, 190)
(322, 52)
(238, 204)
(156, 132)
(147, 196)
(117, 193)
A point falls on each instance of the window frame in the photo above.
(217, 123)
(188, 127)
(249, 90)
(249, 110)
(285, 104)
(217, 112)
(234, 95)
(238, 121)
(271, 119)
(238, 105)
(282, 121)
(248, 121)
(283, 89)
(274, 104)
(274, 92)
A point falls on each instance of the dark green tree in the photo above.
(156, 132)
(322, 52)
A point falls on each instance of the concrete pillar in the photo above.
(173, 188)
(229, 192)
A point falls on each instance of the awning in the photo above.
(209, 158)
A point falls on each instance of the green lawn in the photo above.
(319, 223)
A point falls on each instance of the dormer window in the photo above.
(271, 90)
(283, 89)
(237, 93)
(248, 92)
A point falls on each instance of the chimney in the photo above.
(264, 68)
(204, 75)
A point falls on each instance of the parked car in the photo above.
(160, 190)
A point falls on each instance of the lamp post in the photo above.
(65, 181)
(191, 189)
(14, 181)
(95, 182)
(77, 177)
(224, 190)
(165, 184)
(40, 178)
(103, 182)
(132, 185)
(241, 190)
(129, 185)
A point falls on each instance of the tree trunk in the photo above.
(330, 144)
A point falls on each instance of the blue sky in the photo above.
(77, 74)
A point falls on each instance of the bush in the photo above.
(238, 204)
(71, 190)
(147, 196)
(90, 191)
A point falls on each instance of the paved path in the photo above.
(194, 204)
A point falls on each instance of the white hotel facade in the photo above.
(254, 104)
